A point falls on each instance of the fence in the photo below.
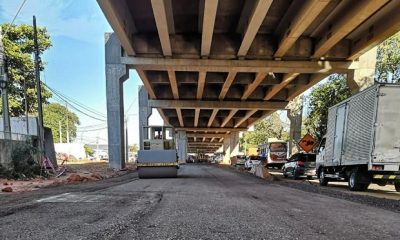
(14, 136)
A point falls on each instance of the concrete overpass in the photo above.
(213, 68)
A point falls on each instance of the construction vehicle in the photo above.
(158, 157)
(362, 144)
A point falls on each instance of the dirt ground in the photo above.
(77, 172)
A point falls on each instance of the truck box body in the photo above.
(364, 129)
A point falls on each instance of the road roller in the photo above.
(158, 157)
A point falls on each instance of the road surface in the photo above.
(205, 202)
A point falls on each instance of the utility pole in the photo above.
(66, 106)
(39, 91)
(26, 108)
(3, 87)
(97, 148)
(126, 140)
(60, 131)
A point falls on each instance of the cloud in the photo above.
(76, 19)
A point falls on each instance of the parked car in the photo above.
(252, 161)
(241, 159)
(300, 164)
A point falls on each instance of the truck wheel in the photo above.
(323, 181)
(397, 186)
(354, 181)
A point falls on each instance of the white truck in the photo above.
(362, 143)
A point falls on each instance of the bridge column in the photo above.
(295, 115)
(181, 140)
(364, 76)
(116, 74)
(231, 148)
(144, 114)
(226, 147)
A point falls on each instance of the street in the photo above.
(204, 202)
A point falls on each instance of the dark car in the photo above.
(300, 164)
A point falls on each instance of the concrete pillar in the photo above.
(231, 148)
(227, 151)
(364, 76)
(144, 114)
(116, 74)
(295, 115)
(234, 142)
(181, 142)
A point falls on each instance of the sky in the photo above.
(75, 63)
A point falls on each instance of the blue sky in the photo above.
(75, 63)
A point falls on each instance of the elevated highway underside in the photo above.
(216, 67)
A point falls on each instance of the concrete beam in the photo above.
(146, 83)
(212, 117)
(160, 16)
(196, 116)
(287, 78)
(314, 79)
(200, 85)
(215, 105)
(260, 9)
(229, 117)
(208, 135)
(248, 114)
(210, 12)
(173, 84)
(217, 65)
(361, 11)
(375, 30)
(250, 89)
(170, 16)
(305, 16)
(180, 118)
(227, 84)
(210, 129)
(163, 116)
(121, 21)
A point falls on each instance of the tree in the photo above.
(54, 114)
(18, 49)
(88, 150)
(271, 127)
(321, 99)
(388, 60)
(133, 148)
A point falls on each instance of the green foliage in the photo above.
(133, 148)
(388, 60)
(23, 164)
(321, 98)
(88, 150)
(55, 113)
(271, 127)
(18, 48)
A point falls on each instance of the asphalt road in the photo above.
(205, 202)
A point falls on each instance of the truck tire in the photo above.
(323, 181)
(355, 181)
(397, 186)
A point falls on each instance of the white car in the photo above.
(252, 161)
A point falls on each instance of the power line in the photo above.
(76, 109)
(63, 99)
(91, 130)
(76, 102)
(16, 15)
